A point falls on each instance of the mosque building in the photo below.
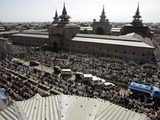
(64, 35)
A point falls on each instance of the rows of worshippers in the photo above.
(24, 87)
(110, 69)
(21, 88)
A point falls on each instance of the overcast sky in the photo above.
(79, 10)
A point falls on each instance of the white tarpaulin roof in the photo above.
(63, 107)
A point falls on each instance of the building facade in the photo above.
(103, 26)
(61, 31)
(114, 47)
(63, 35)
(29, 39)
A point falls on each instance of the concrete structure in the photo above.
(136, 26)
(103, 26)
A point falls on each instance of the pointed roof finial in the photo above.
(138, 6)
(103, 16)
(137, 15)
(56, 18)
(64, 17)
(56, 14)
(137, 12)
(137, 18)
(64, 12)
(103, 12)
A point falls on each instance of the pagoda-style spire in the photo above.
(137, 15)
(103, 16)
(64, 12)
(56, 18)
(64, 17)
(137, 18)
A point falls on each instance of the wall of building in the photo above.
(28, 41)
(123, 52)
(61, 35)
(104, 26)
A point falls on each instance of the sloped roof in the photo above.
(63, 107)
(110, 37)
(132, 36)
(132, 39)
(31, 35)
(113, 42)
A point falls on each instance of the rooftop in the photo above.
(31, 31)
(64, 107)
(31, 35)
(9, 32)
(113, 42)
(3, 39)
(129, 37)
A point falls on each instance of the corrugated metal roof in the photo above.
(63, 107)
(10, 113)
(113, 42)
(111, 37)
(38, 108)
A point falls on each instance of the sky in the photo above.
(79, 10)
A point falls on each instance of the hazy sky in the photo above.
(79, 10)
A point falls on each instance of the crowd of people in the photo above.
(24, 81)
(111, 69)
(17, 81)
